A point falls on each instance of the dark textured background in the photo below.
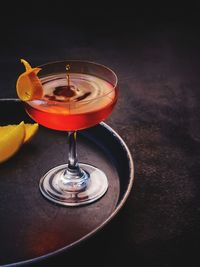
(155, 52)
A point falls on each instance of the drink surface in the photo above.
(83, 102)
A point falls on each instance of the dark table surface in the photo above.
(155, 54)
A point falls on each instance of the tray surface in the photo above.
(31, 227)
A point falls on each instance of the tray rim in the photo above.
(105, 222)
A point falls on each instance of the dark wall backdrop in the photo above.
(111, 34)
(155, 51)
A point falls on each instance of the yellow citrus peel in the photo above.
(29, 86)
(30, 131)
(12, 137)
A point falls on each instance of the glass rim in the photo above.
(83, 61)
(87, 62)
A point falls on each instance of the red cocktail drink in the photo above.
(87, 101)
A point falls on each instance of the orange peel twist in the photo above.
(29, 86)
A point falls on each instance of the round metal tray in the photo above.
(31, 227)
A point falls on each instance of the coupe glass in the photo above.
(76, 95)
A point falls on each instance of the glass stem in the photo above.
(74, 178)
(72, 156)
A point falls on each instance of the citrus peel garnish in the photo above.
(12, 137)
(29, 86)
(11, 142)
(30, 131)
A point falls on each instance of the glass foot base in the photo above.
(92, 185)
